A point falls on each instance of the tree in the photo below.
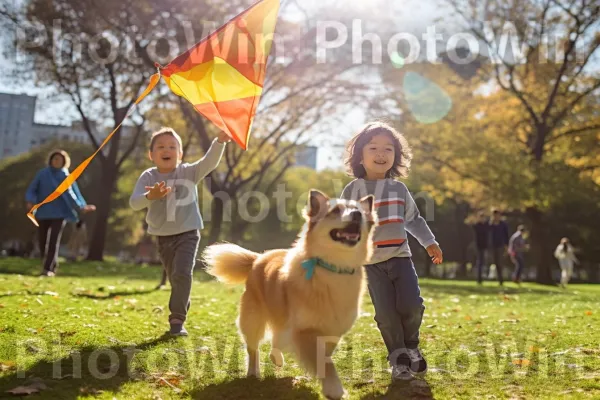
(551, 89)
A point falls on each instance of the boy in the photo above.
(169, 192)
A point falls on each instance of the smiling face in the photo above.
(378, 156)
(165, 153)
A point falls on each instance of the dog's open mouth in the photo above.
(349, 235)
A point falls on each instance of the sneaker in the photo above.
(177, 330)
(400, 372)
(418, 365)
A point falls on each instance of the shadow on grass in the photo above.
(92, 269)
(414, 389)
(100, 369)
(112, 295)
(488, 288)
(252, 388)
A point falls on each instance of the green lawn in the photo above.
(96, 331)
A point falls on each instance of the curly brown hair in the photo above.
(354, 150)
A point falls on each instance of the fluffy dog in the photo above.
(308, 296)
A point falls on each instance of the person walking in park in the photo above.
(482, 238)
(499, 241)
(517, 245)
(565, 254)
(53, 216)
(78, 240)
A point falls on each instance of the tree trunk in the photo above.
(103, 208)
(538, 245)
(461, 212)
(216, 220)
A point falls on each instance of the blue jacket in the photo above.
(66, 206)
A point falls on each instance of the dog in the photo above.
(307, 294)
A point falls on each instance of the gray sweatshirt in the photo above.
(397, 214)
(177, 212)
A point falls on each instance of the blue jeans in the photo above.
(519, 260)
(396, 296)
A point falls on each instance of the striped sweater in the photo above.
(397, 213)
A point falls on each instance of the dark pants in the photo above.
(50, 253)
(178, 255)
(498, 253)
(396, 296)
(480, 264)
(519, 261)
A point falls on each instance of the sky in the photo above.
(409, 15)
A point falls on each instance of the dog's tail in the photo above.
(228, 262)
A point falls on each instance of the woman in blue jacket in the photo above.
(53, 216)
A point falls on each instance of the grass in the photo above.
(60, 334)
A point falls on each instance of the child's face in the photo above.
(378, 156)
(57, 161)
(166, 153)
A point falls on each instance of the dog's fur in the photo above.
(305, 316)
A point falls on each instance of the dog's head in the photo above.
(339, 230)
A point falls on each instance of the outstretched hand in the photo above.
(88, 208)
(158, 191)
(223, 137)
(435, 253)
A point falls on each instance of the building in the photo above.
(19, 133)
(307, 157)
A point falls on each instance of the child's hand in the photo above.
(223, 137)
(435, 253)
(89, 208)
(158, 191)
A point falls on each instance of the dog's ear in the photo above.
(367, 203)
(317, 203)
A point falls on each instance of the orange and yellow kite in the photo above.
(222, 77)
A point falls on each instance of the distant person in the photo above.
(565, 254)
(499, 239)
(53, 216)
(482, 238)
(78, 240)
(517, 245)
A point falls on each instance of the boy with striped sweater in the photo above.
(377, 155)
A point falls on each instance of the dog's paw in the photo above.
(276, 357)
(333, 389)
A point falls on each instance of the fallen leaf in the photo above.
(1, 305)
(39, 301)
(430, 326)
(7, 366)
(523, 362)
(588, 312)
(49, 293)
(22, 391)
(88, 390)
(534, 349)
(468, 317)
